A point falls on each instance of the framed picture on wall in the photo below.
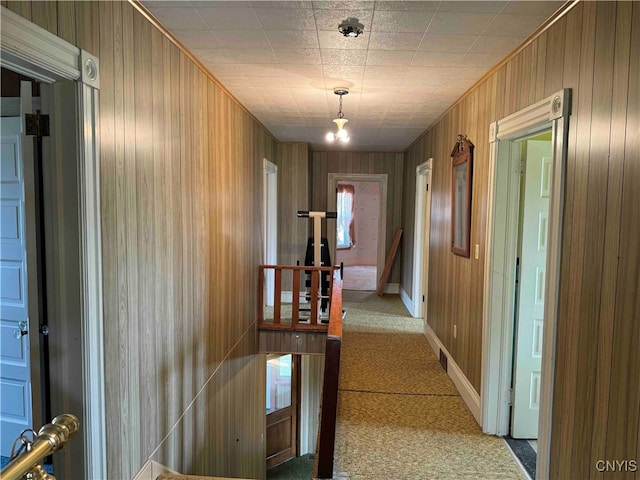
(461, 177)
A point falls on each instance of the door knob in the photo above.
(21, 330)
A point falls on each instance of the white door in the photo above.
(15, 375)
(533, 255)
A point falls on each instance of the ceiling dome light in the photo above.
(351, 27)
(341, 134)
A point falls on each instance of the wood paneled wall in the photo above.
(390, 163)
(181, 181)
(293, 160)
(594, 51)
(178, 242)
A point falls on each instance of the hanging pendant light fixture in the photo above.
(341, 134)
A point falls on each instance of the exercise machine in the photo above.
(317, 254)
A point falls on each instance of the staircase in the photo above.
(298, 321)
(299, 327)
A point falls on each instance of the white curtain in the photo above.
(345, 221)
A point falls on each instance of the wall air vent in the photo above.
(443, 360)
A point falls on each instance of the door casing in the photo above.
(332, 183)
(497, 332)
(291, 413)
(421, 235)
(28, 49)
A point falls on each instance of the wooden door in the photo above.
(283, 373)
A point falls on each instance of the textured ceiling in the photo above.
(283, 59)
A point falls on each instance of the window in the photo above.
(278, 382)
(345, 221)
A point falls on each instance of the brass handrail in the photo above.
(51, 438)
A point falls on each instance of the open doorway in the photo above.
(282, 404)
(23, 361)
(41, 286)
(364, 220)
(358, 213)
(524, 219)
(70, 79)
(535, 156)
(270, 227)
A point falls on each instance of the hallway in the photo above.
(399, 414)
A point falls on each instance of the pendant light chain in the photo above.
(340, 114)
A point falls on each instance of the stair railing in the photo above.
(51, 438)
(304, 314)
(323, 467)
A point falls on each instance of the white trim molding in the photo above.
(497, 331)
(551, 108)
(33, 51)
(90, 70)
(423, 178)
(552, 287)
(93, 321)
(463, 385)
(406, 300)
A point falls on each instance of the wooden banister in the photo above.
(314, 298)
(329, 406)
(295, 306)
(323, 467)
(277, 301)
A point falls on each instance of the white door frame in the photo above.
(497, 329)
(421, 224)
(31, 50)
(270, 224)
(332, 183)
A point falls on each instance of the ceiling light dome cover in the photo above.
(351, 27)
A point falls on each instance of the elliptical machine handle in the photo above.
(303, 213)
(331, 215)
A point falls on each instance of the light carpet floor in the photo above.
(399, 415)
(359, 277)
